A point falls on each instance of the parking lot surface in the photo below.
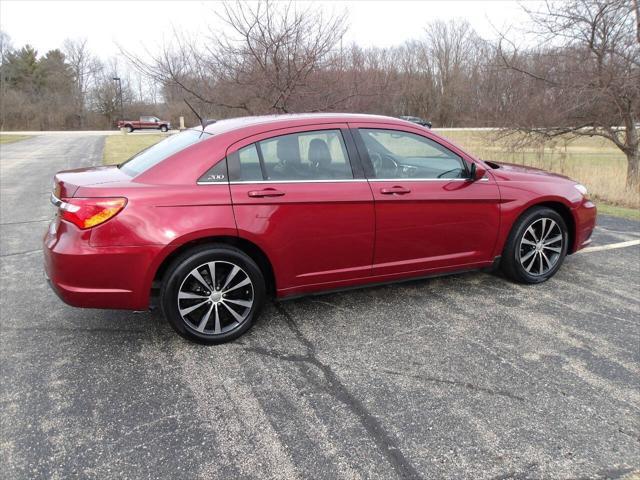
(467, 376)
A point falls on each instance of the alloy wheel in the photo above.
(541, 246)
(215, 298)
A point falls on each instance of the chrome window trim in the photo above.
(483, 179)
(419, 179)
(243, 182)
(352, 180)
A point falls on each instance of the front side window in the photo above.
(161, 150)
(397, 154)
(318, 155)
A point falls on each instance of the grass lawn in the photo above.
(118, 148)
(592, 161)
(12, 138)
(628, 213)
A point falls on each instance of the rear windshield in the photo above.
(161, 150)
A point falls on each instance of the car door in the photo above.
(429, 216)
(300, 195)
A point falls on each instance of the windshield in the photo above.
(161, 150)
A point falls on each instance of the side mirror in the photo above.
(476, 172)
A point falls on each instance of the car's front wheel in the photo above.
(212, 294)
(164, 128)
(536, 246)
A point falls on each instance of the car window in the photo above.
(397, 154)
(249, 163)
(161, 150)
(317, 155)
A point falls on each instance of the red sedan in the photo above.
(212, 221)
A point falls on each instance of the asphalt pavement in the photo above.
(461, 377)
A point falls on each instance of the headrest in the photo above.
(319, 154)
(288, 150)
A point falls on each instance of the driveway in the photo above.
(467, 376)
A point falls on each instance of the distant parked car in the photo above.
(145, 123)
(211, 221)
(418, 120)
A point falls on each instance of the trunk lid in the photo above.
(67, 182)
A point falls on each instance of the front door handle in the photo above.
(395, 190)
(267, 192)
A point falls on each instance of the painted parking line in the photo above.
(611, 246)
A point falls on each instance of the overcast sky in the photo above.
(139, 24)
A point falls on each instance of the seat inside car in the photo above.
(290, 166)
(320, 157)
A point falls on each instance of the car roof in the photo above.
(296, 119)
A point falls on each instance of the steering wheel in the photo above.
(376, 161)
(383, 162)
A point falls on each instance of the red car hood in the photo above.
(67, 182)
(512, 167)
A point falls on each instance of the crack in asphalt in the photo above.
(457, 383)
(21, 253)
(387, 446)
(25, 222)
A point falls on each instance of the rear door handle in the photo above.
(267, 192)
(395, 190)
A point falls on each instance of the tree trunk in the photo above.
(633, 168)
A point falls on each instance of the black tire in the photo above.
(129, 128)
(178, 276)
(518, 255)
(164, 128)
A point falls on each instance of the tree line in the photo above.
(66, 89)
(577, 74)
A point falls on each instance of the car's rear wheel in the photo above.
(536, 246)
(164, 128)
(212, 294)
(129, 128)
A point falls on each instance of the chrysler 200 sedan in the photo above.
(212, 221)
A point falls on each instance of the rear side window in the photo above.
(249, 163)
(317, 155)
(161, 150)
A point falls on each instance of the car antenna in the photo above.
(204, 123)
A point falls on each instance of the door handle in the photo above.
(267, 192)
(395, 190)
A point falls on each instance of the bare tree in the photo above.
(84, 68)
(104, 95)
(449, 54)
(583, 79)
(268, 58)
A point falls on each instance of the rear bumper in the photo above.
(96, 277)
(585, 217)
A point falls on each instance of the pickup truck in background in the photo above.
(145, 123)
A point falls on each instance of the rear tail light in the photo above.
(90, 212)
